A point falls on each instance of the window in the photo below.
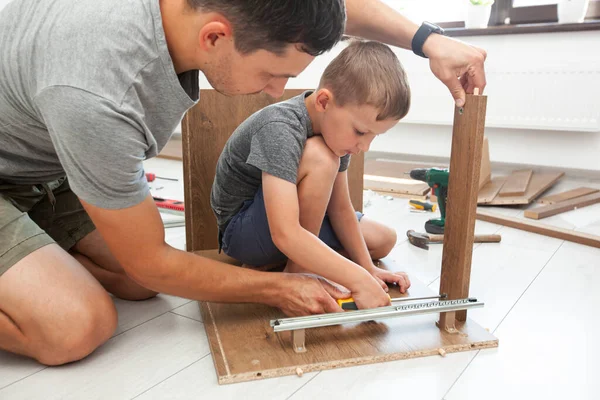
(430, 10)
(452, 13)
(534, 11)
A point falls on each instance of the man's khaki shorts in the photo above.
(32, 216)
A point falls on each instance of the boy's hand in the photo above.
(399, 278)
(307, 294)
(370, 294)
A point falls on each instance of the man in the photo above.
(88, 90)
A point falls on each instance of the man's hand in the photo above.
(309, 294)
(399, 278)
(458, 65)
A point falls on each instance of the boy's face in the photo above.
(351, 129)
(233, 73)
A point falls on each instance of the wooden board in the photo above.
(540, 182)
(540, 228)
(516, 184)
(395, 169)
(463, 186)
(568, 195)
(205, 130)
(173, 150)
(395, 185)
(553, 209)
(485, 174)
(490, 190)
(244, 346)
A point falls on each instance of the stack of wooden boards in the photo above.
(519, 188)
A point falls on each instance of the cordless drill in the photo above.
(437, 179)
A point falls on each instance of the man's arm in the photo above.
(458, 65)
(135, 236)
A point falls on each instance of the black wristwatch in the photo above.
(422, 34)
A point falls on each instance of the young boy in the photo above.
(281, 189)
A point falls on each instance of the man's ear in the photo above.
(214, 33)
(324, 99)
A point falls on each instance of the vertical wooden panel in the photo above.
(463, 185)
(205, 130)
(356, 173)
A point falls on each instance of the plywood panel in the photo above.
(395, 185)
(490, 190)
(244, 346)
(553, 209)
(516, 184)
(173, 150)
(463, 186)
(540, 182)
(568, 195)
(205, 130)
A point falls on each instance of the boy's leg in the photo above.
(380, 238)
(52, 309)
(317, 172)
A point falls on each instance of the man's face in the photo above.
(351, 129)
(261, 71)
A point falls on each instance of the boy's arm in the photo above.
(343, 219)
(308, 251)
(347, 229)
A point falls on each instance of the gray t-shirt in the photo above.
(271, 140)
(87, 90)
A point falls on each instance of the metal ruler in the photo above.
(315, 321)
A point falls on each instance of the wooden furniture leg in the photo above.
(463, 186)
(299, 340)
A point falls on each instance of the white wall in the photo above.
(545, 87)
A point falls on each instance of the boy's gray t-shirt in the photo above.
(87, 90)
(271, 140)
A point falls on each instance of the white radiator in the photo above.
(547, 99)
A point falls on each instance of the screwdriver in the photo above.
(150, 177)
(349, 304)
(422, 205)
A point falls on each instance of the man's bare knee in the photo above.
(83, 328)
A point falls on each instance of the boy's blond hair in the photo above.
(369, 73)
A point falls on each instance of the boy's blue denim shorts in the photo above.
(247, 237)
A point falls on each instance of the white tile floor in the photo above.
(541, 298)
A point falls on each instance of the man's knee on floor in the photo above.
(77, 332)
(384, 242)
(128, 289)
(319, 156)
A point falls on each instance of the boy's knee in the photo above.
(386, 240)
(319, 155)
(86, 325)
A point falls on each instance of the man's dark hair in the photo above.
(317, 25)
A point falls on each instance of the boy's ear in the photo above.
(324, 99)
(214, 33)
